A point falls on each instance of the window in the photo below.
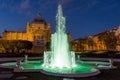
(38, 37)
(38, 27)
(42, 37)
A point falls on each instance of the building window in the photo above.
(38, 37)
(38, 27)
(38, 41)
(34, 37)
(42, 38)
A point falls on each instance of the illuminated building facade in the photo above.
(37, 31)
(108, 40)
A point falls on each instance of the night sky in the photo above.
(83, 17)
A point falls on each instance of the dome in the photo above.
(39, 19)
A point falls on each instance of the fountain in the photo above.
(60, 56)
(60, 61)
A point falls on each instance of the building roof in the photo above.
(14, 31)
(39, 19)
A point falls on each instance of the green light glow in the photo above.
(80, 68)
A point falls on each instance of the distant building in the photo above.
(107, 40)
(37, 31)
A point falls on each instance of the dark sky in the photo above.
(83, 17)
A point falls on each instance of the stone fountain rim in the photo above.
(71, 75)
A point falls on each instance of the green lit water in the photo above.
(79, 69)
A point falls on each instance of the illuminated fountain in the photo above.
(60, 61)
(60, 56)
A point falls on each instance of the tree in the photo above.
(15, 45)
(27, 45)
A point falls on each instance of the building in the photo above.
(107, 40)
(37, 31)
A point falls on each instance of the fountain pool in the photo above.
(81, 70)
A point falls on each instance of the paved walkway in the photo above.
(37, 58)
(16, 58)
(101, 59)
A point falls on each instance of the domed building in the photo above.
(37, 31)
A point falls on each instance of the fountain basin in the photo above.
(80, 70)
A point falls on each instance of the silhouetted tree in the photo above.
(15, 45)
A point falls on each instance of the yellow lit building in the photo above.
(110, 40)
(83, 44)
(37, 31)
